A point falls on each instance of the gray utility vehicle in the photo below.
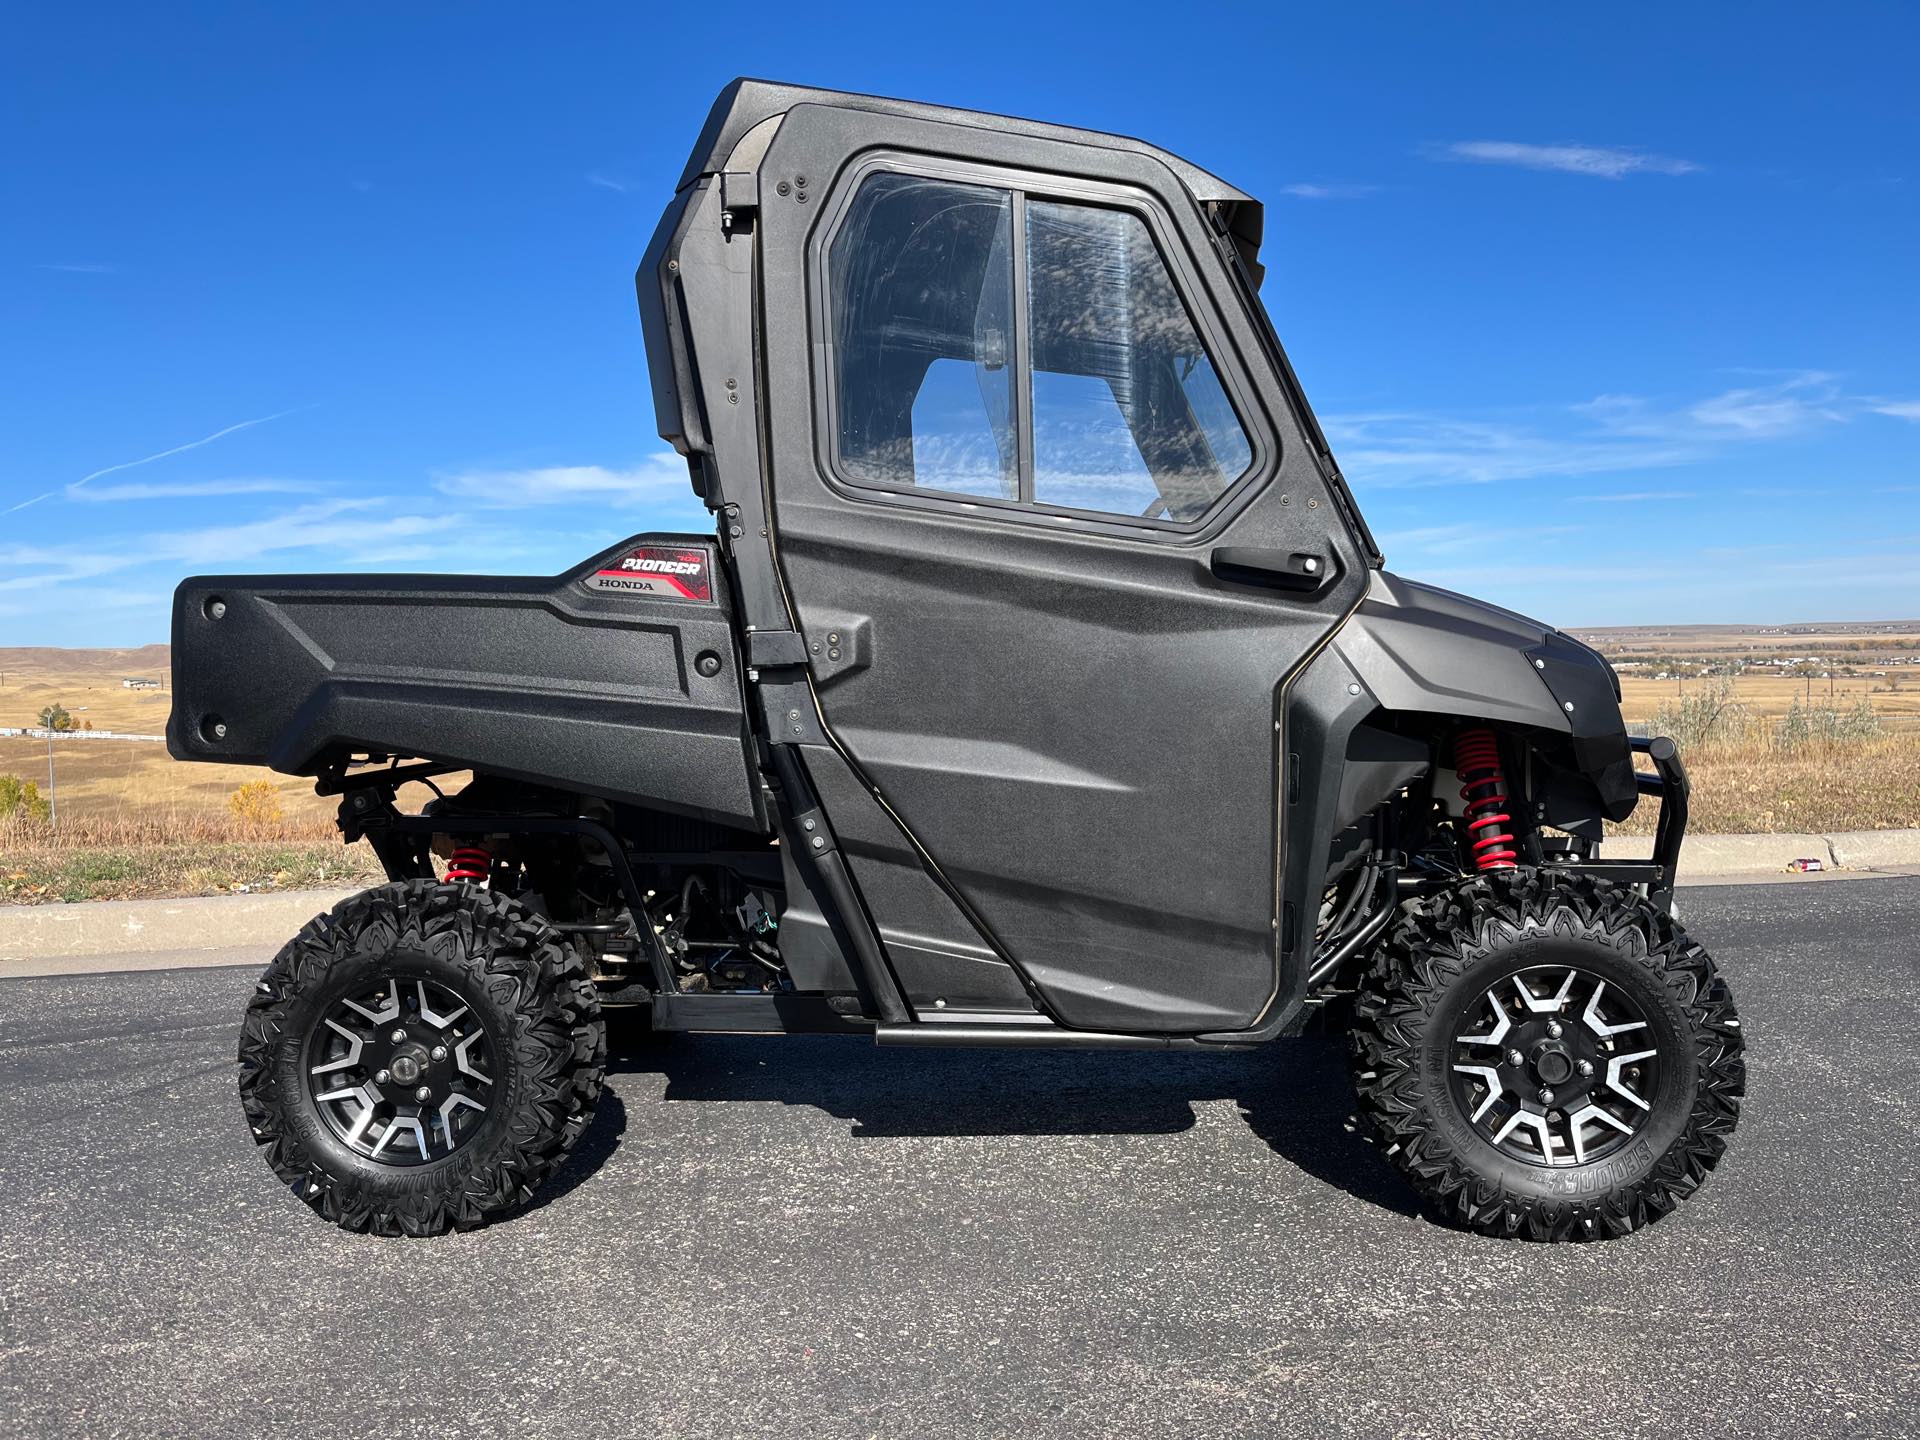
(1039, 685)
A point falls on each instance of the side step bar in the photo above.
(1035, 1037)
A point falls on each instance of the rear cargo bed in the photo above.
(593, 681)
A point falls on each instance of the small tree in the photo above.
(256, 805)
(22, 799)
(55, 717)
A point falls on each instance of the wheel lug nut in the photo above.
(397, 1036)
(423, 1094)
(1514, 1057)
(382, 1078)
(440, 1052)
(1585, 1067)
(1546, 1096)
(1553, 1028)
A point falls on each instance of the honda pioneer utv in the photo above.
(1039, 685)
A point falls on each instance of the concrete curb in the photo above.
(1720, 857)
(120, 927)
(1875, 849)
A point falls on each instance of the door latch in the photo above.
(1301, 571)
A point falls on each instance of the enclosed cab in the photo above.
(1039, 684)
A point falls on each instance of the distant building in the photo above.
(139, 682)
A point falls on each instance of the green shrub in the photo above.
(1709, 713)
(22, 799)
(1806, 725)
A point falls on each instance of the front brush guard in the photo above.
(1667, 780)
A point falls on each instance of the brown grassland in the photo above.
(1746, 777)
(133, 821)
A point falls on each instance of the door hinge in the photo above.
(769, 649)
(739, 199)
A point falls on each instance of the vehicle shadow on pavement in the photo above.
(1294, 1096)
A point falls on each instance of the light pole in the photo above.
(53, 785)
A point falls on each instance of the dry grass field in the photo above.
(133, 821)
(1750, 772)
(1774, 695)
(1835, 664)
(109, 780)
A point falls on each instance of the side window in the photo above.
(921, 277)
(1108, 402)
(1128, 414)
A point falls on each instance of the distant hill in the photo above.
(1856, 629)
(32, 662)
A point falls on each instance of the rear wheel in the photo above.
(421, 1058)
(1548, 1056)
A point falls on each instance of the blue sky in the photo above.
(1612, 315)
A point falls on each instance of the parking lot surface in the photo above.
(814, 1237)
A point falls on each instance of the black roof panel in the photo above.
(745, 103)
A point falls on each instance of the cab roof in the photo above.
(745, 103)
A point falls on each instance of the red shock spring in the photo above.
(1483, 785)
(470, 862)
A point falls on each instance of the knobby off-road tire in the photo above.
(1644, 1032)
(366, 1001)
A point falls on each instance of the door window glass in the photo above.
(922, 288)
(1084, 456)
(1108, 403)
(1110, 337)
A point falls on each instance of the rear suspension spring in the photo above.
(1483, 785)
(470, 862)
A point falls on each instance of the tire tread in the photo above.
(1405, 989)
(536, 980)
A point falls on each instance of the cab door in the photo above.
(1056, 544)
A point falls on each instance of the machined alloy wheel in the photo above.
(402, 1072)
(421, 1058)
(1547, 1055)
(1556, 1066)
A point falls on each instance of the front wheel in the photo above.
(420, 1058)
(1547, 1056)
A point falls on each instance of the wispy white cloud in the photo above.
(85, 480)
(1398, 449)
(1329, 191)
(1601, 161)
(659, 476)
(340, 524)
(1788, 407)
(608, 182)
(1733, 574)
(1605, 435)
(187, 489)
(1899, 409)
(495, 529)
(81, 267)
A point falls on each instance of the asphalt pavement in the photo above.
(814, 1237)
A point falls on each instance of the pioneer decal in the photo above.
(663, 571)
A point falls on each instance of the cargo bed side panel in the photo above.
(594, 681)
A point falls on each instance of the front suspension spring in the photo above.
(1483, 785)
